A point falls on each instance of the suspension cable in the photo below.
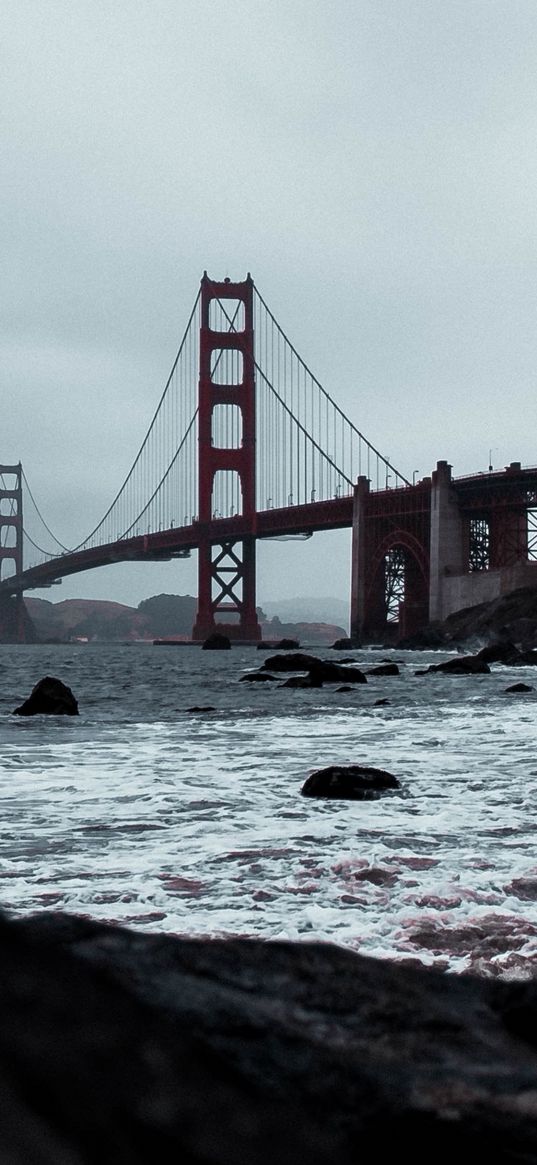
(40, 516)
(325, 393)
(149, 431)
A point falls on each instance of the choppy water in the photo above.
(143, 813)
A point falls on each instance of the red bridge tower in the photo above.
(226, 571)
(15, 624)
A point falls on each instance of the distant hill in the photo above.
(309, 610)
(102, 621)
(161, 616)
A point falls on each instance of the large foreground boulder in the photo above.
(49, 697)
(120, 1047)
(351, 782)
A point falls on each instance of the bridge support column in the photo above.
(15, 623)
(226, 564)
(449, 538)
(508, 520)
(358, 559)
(226, 587)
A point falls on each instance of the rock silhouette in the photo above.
(216, 642)
(351, 782)
(49, 697)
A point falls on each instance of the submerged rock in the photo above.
(351, 782)
(216, 642)
(257, 678)
(520, 688)
(287, 644)
(49, 697)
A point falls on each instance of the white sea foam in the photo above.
(141, 813)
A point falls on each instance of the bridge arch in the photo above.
(398, 590)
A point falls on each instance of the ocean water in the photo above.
(144, 813)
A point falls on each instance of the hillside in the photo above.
(161, 616)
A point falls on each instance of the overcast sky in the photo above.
(373, 163)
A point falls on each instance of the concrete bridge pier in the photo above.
(358, 558)
(449, 538)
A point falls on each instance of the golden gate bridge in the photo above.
(245, 444)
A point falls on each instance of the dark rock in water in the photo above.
(287, 645)
(344, 644)
(296, 662)
(201, 708)
(345, 688)
(123, 1047)
(352, 782)
(499, 653)
(257, 678)
(462, 665)
(526, 657)
(321, 671)
(336, 673)
(50, 697)
(384, 669)
(380, 703)
(309, 681)
(520, 688)
(216, 642)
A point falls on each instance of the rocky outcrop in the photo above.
(49, 697)
(511, 620)
(135, 1048)
(351, 782)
